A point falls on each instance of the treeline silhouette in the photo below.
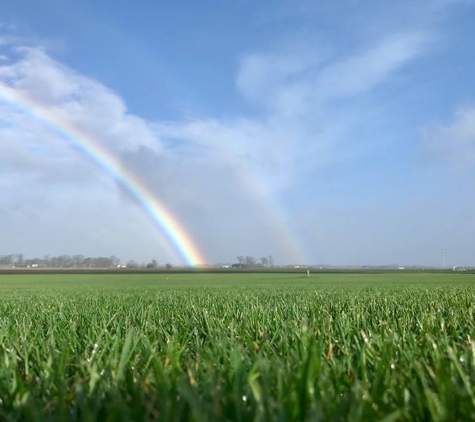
(61, 261)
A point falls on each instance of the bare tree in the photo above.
(115, 261)
(78, 261)
(6, 260)
(132, 264)
(250, 261)
(152, 264)
(19, 260)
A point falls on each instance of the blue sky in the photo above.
(335, 132)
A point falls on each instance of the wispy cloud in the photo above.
(297, 123)
(294, 89)
(363, 71)
(294, 84)
(454, 142)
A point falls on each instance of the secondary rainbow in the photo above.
(162, 218)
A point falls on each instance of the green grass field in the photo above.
(241, 347)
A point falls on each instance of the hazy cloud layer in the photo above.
(453, 143)
(294, 84)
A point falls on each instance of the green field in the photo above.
(203, 347)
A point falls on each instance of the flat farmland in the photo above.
(250, 346)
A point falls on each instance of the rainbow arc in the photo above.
(156, 210)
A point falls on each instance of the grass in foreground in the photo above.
(251, 347)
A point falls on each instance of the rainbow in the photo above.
(161, 217)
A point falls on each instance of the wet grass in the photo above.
(237, 347)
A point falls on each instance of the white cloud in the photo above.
(30, 149)
(296, 84)
(362, 72)
(261, 76)
(246, 145)
(85, 103)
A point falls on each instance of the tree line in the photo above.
(251, 262)
(70, 261)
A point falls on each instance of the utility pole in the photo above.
(443, 258)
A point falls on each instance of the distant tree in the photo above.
(152, 264)
(271, 261)
(78, 261)
(19, 260)
(265, 262)
(6, 260)
(132, 264)
(168, 266)
(115, 261)
(241, 260)
(102, 262)
(250, 261)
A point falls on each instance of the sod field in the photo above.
(237, 347)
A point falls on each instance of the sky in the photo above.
(318, 132)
